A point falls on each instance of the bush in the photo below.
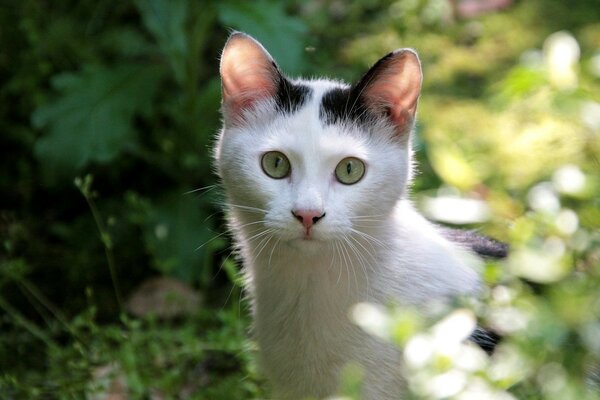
(108, 112)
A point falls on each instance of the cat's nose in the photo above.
(308, 217)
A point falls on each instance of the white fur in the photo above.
(301, 290)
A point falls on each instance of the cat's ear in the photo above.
(392, 87)
(248, 74)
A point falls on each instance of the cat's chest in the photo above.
(305, 334)
(308, 312)
(316, 303)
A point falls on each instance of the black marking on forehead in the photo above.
(291, 96)
(342, 105)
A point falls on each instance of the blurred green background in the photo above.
(115, 275)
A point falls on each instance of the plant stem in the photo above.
(29, 326)
(107, 249)
(33, 291)
(84, 186)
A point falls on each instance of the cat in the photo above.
(316, 176)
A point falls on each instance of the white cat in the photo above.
(316, 175)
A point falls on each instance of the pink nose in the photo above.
(308, 217)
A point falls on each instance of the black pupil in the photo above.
(278, 161)
(349, 167)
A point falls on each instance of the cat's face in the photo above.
(313, 161)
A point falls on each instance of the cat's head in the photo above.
(314, 160)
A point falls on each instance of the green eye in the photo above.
(350, 170)
(275, 164)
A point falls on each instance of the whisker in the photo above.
(330, 248)
(363, 262)
(246, 208)
(210, 216)
(226, 232)
(367, 225)
(211, 240)
(364, 248)
(351, 263)
(272, 250)
(206, 188)
(370, 238)
(266, 241)
(349, 267)
(374, 216)
(367, 220)
(337, 252)
(233, 285)
(260, 234)
(262, 221)
(346, 264)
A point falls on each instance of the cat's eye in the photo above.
(350, 170)
(275, 164)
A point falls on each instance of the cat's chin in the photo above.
(308, 245)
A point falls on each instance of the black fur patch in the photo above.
(480, 244)
(487, 340)
(291, 96)
(343, 105)
(488, 248)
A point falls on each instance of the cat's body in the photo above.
(320, 238)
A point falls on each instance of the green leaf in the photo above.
(92, 120)
(282, 35)
(166, 20)
(128, 42)
(178, 234)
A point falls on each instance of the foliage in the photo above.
(122, 100)
(92, 120)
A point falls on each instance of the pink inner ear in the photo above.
(396, 87)
(248, 73)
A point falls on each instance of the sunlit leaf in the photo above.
(521, 81)
(453, 168)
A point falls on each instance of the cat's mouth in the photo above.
(305, 237)
(308, 237)
(306, 245)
